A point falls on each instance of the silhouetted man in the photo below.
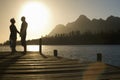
(23, 33)
(13, 35)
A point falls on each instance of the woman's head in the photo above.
(12, 20)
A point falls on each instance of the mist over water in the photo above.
(84, 53)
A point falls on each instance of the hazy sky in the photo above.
(60, 12)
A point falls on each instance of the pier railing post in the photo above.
(40, 45)
(99, 57)
(55, 53)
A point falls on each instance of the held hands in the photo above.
(19, 34)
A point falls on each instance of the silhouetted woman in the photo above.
(13, 35)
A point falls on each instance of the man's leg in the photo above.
(23, 41)
(25, 48)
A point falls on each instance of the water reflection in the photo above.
(84, 53)
(33, 48)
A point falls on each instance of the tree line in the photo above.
(76, 38)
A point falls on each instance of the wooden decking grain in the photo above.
(33, 66)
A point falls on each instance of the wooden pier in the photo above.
(35, 66)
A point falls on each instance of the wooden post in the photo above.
(99, 57)
(55, 53)
(40, 46)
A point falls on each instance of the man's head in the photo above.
(23, 18)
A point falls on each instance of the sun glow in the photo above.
(38, 19)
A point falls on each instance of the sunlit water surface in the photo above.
(85, 53)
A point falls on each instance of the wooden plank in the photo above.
(34, 66)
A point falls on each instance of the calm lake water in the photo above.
(85, 53)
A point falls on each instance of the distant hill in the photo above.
(84, 24)
(83, 31)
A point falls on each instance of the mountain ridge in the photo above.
(84, 24)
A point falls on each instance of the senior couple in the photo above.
(13, 34)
